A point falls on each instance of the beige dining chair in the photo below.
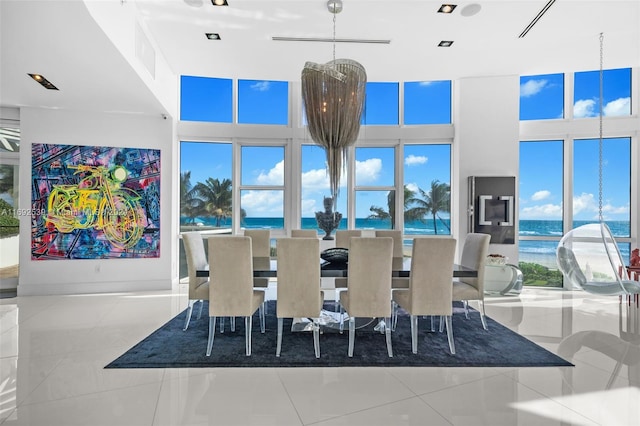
(261, 246)
(196, 259)
(474, 256)
(343, 236)
(398, 255)
(231, 292)
(430, 292)
(304, 233)
(298, 289)
(368, 291)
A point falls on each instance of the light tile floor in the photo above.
(53, 350)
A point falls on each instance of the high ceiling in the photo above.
(60, 40)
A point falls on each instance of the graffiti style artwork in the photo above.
(93, 202)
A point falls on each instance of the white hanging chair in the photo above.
(589, 259)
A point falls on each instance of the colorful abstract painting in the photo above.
(92, 202)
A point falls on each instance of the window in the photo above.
(263, 102)
(427, 102)
(427, 189)
(206, 99)
(616, 88)
(542, 97)
(540, 211)
(206, 201)
(315, 186)
(381, 106)
(616, 184)
(262, 187)
(375, 188)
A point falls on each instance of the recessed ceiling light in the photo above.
(445, 43)
(447, 8)
(43, 81)
(219, 2)
(213, 36)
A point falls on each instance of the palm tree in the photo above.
(216, 196)
(436, 200)
(190, 205)
(382, 214)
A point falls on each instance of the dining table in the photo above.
(266, 267)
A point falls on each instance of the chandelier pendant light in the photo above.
(333, 97)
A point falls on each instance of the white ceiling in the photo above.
(60, 40)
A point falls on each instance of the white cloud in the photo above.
(591, 108)
(544, 211)
(425, 83)
(584, 108)
(584, 203)
(309, 208)
(540, 195)
(262, 203)
(532, 87)
(368, 171)
(316, 179)
(261, 86)
(413, 160)
(413, 187)
(621, 106)
(275, 176)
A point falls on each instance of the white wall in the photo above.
(99, 275)
(486, 142)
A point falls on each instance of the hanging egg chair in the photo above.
(590, 259)
(588, 255)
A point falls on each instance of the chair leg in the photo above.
(316, 337)
(394, 315)
(387, 332)
(452, 345)
(279, 341)
(341, 318)
(221, 324)
(232, 321)
(352, 334)
(247, 336)
(466, 308)
(482, 314)
(200, 311)
(433, 327)
(441, 327)
(212, 332)
(189, 312)
(414, 333)
(262, 310)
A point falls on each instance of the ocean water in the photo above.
(542, 252)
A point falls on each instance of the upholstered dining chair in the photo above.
(398, 255)
(430, 291)
(304, 233)
(231, 291)
(196, 259)
(368, 291)
(343, 237)
(261, 247)
(298, 290)
(474, 255)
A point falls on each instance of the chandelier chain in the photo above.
(334, 36)
(600, 143)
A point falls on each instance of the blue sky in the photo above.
(542, 97)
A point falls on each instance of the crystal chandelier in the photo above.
(333, 98)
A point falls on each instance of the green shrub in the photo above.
(535, 274)
(8, 222)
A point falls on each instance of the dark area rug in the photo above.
(170, 347)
